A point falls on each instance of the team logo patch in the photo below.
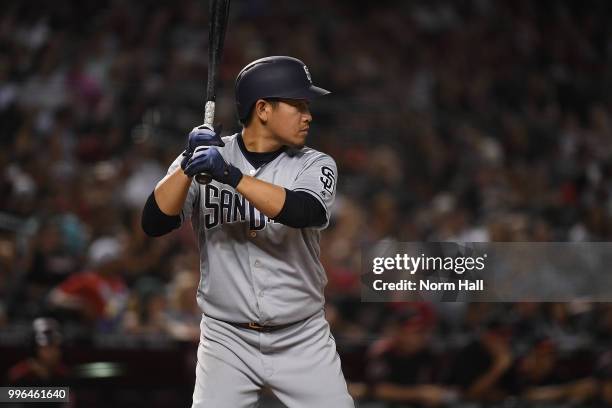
(328, 179)
(307, 74)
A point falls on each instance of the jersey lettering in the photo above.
(211, 219)
(257, 220)
(239, 208)
(229, 207)
(226, 206)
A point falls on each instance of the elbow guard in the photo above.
(301, 210)
(154, 222)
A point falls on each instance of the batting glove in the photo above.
(209, 160)
(202, 135)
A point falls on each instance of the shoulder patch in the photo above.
(328, 180)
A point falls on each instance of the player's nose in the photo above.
(307, 116)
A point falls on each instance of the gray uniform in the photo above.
(256, 270)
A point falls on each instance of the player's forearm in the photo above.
(171, 191)
(266, 197)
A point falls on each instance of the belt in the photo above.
(258, 327)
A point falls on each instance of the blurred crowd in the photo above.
(468, 120)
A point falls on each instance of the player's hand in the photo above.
(202, 135)
(209, 160)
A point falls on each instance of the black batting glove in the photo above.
(209, 160)
(202, 135)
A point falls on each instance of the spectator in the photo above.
(479, 367)
(45, 367)
(99, 295)
(183, 316)
(541, 376)
(404, 368)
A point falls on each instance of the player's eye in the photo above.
(302, 106)
(299, 104)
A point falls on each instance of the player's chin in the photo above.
(297, 146)
(299, 140)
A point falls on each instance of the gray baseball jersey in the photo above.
(252, 268)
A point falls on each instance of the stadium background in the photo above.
(449, 120)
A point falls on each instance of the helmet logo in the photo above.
(307, 74)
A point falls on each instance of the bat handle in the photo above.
(209, 117)
(209, 113)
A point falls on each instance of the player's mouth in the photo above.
(305, 130)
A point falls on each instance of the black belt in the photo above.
(258, 327)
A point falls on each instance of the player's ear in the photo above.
(262, 110)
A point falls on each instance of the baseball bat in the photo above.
(219, 11)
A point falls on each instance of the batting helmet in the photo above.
(273, 77)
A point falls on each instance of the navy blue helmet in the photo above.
(273, 77)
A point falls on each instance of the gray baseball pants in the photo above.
(299, 364)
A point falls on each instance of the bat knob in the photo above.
(203, 178)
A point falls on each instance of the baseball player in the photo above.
(258, 225)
